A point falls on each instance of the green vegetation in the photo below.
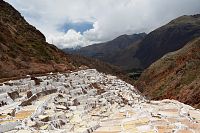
(41, 52)
(188, 78)
(159, 92)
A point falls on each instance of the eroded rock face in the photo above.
(87, 101)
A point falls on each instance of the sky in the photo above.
(72, 23)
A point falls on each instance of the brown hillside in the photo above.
(23, 49)
(174, 76)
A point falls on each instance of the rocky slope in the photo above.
(87, 101)
(111, 51)
(23, 49)
(143, 52)
(175, 76)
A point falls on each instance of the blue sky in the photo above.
(68, 23)
(77, 26)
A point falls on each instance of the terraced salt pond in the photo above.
(88, 101)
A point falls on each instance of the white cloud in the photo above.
(110, 18)
(69, 39)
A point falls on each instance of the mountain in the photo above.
(174, 76)
(141, 52)
(168, 38)
(85, 100)
(71, 50)
(24, 50)
(109, 51)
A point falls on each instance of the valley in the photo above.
(135, 83)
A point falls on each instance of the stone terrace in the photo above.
(88, 101)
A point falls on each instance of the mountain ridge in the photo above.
(141, 54)
(168, 38)
(109, 51)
